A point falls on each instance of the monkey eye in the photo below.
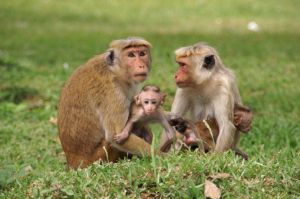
(153, 102)
(142, 54)
(181, 64)
(147, 102)
(131, 54)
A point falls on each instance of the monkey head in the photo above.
(150, 99)
(130, 58)
(187, 129)
(197, 64)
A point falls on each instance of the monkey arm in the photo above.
(128, 127)
(113, 124)
(133, 145)
(121, 137)
(167, 127)
(224, 117)
(180, 104)
(169, 134)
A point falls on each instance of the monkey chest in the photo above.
(202, 109)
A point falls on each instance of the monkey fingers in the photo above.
(121, 138)
(179, 123)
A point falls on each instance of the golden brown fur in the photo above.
(94, 104)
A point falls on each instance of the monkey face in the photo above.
(150, 106)
(183, 76)
(150, 101)
(190, 138)
(137, 60)
(197, 64)
(183, 127)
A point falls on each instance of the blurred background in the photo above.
(43, 41)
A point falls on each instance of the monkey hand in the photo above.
(122, 137)
(179, 123)
(174, 119)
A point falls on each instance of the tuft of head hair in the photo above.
(150, 87)
(129, 42)
(196, 49)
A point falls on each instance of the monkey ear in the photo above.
(110, 57)
(209, 62)
(163, 98)
(137, 99)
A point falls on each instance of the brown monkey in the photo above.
(242, 118)
(208, 132)
(95, 101)
(207, 89)
(146, 108)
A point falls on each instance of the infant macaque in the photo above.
(199, 134)
(146, 108)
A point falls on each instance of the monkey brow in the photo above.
(152, 88)
(150, 99)
(134, 46)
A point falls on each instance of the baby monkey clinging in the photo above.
(146, 108)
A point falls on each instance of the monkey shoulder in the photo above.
(136, 113)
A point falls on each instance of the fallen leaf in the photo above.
(53, 120)
(269, 181)
(211, 190)
(149, 195)
(219, 176)
(251, 182)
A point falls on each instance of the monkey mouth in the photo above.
(141, 75)
(181, 84)
(148, 113)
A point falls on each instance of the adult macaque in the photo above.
(205, 134)
(146, 108)
(95, 101)
(207, 89)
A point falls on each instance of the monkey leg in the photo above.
(226, 137)
(134, 145)
(166, 146)
(103, 152)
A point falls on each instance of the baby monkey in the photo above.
(204, 134)
(146, 108)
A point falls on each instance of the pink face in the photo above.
(150, 101)
(137, 59)
(182, 76)
(190, 138)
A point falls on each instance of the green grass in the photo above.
(38, 37)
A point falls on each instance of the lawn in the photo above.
(42, 42)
